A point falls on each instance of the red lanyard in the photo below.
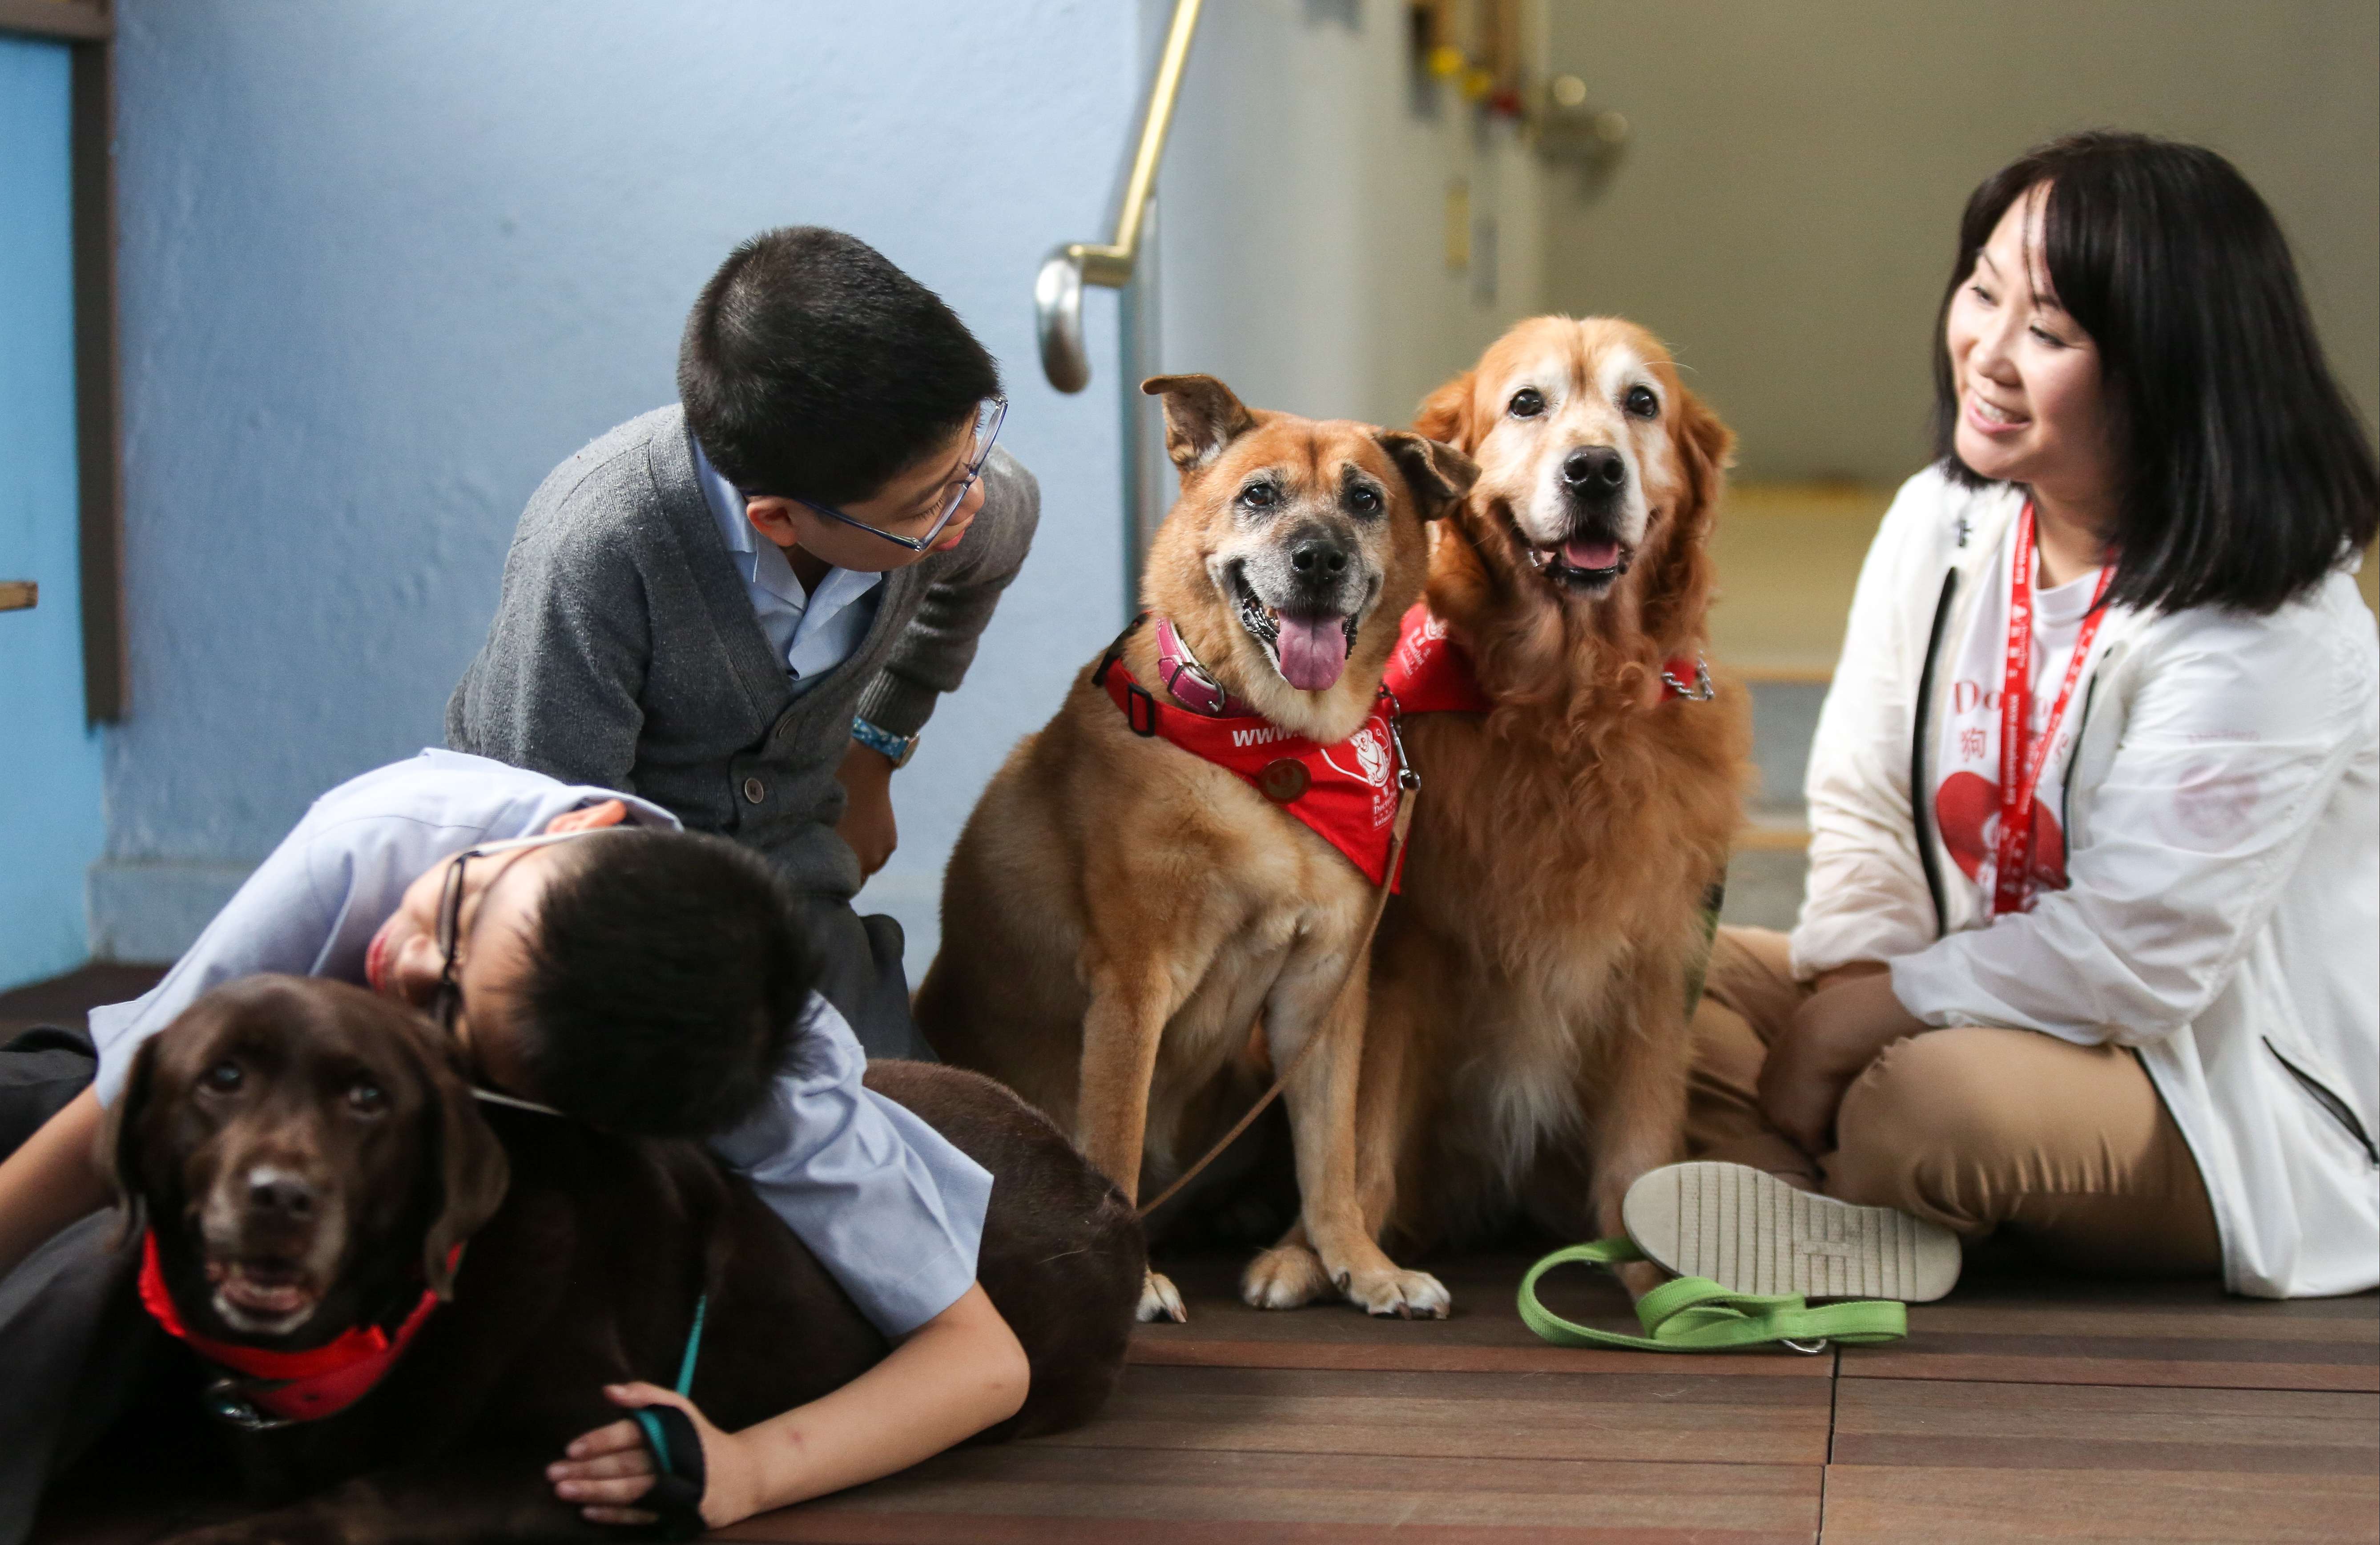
(2020, 765)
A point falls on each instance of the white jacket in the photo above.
(2222, 813)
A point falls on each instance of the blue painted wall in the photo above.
(51, 823)
(384, 266)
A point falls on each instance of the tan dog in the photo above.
(1119, 912)
(1529, 1048)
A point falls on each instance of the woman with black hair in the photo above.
(2091, 947)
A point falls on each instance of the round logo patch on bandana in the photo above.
(1286, 780)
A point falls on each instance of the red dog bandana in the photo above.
(322, 1382)
(1346, 794)
(1429, 673)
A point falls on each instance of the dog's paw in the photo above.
(1285, 1277)
(1160, 1301)
(1398, 1293)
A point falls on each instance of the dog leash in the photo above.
(1408, 786)
(1695, 1314)
(681, 1476)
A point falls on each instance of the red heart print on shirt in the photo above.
(1967, 808)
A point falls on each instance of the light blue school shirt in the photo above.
(888, 1206)
(812, 634)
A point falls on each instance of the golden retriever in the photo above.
(1528, 1048)
(1119, 912)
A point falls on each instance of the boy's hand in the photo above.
(867, 823)
(604, 1472)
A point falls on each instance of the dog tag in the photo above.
(1284, 781)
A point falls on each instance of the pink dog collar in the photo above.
(1189, 680)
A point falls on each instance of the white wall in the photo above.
(1302, 213)
(1788, 209)
(383, 265)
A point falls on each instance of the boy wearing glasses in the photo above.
(742, 608)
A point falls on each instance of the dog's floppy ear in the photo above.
(1445, 414)
(119, 1136)
(1707, 447)
(1437, 473)
(472, 1173)
(1201, 418)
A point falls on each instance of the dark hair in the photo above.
(2246, 475)
(667, 977)
(812, 368)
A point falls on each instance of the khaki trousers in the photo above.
(1974, 1128)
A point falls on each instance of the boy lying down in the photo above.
(585, 953)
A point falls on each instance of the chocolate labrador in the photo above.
(312, 1168)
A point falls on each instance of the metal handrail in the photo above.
(1057, 289)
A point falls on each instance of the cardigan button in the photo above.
(755, 790)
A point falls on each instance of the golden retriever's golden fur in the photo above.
(1529, 1048)
(1119, 912)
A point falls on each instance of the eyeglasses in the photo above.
(986, 431)
(448, 1002)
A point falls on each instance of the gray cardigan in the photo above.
(626, 653)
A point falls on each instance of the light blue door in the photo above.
(52, 826)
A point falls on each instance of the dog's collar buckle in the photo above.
(228, 1400)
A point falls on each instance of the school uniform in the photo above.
(893, 1211)
(644, 641)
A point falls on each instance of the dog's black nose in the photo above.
(1594, 469)
(280, 1192)
(1318, 558)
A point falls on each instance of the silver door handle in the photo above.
(1057, 289)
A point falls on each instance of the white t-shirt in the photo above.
(1967, 758)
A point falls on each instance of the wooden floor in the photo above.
(2024, 1407)
(67, 1000)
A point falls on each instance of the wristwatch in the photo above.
(895, 749)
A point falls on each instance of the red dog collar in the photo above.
(298, 1386)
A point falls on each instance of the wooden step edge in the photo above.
(1772, 836)
(1756, 673)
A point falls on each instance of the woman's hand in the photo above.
(867, 824)
(605, 1472)
(1836, 1033)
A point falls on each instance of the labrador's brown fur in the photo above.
(1118, 911)
(1528, 1050)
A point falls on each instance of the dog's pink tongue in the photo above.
(1591, 554)
(1313, 651)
